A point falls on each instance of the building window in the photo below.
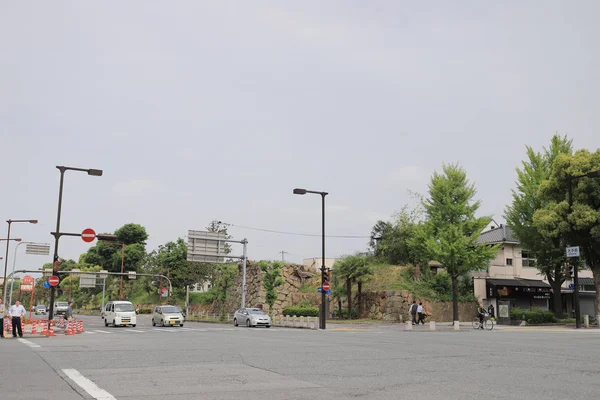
(528, 260)
(509, 261)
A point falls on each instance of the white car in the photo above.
(119, 313)
(251, 317)
(167, 316)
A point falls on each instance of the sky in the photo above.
(200, 111)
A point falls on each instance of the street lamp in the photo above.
(570, 179)
(56, 262)
(10, 221)
(322, 316)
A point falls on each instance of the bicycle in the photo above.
(488, 323)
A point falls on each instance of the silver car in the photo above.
(251, 317)
(167, 316)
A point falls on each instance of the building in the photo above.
(315, 263)
(512, 280)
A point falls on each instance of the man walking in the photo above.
(2, 310)
(421, 314)
(16, 311)
(413, 311)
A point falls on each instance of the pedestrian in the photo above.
(491, 311)
(69, 313)
(421, 314)
(16, 311)
(137, 309)
(2, 310)
(413, 311)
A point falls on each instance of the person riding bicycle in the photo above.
(481, 313)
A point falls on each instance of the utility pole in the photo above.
(283, 253)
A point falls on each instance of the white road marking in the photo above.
(89, 332)
(133, 330)
(163, 330)
(28, 343)
(104, 331)
(90, 387)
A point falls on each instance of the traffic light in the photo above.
(326, 275)
(569, 270)
(56, 265)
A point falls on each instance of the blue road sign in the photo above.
(319, 289)
(46, 285)
(571, 286)
(328, 292)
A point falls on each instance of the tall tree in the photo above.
(131, 233)
(220, 227)
(452, 228)
(271, 280)
(579, 226)
(354, 268)
(548, 251)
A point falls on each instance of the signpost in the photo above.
(164, 293)
(46, 285)
(573, 251)
(53, 280)
(326, 286)
(27, 284)
(87, 280)
(88, 235)
(40, 249)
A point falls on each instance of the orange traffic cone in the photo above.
(34, 328)
(45, 330)
(81, 326)
(51, 332)
(69, 330)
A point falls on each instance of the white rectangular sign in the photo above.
(207, 247)
(37, 249)
(573, 251)
(87, 280)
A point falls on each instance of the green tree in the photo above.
(579, 226)
(131, 234)
(548, 251)
(353, 268)
(452, 230)
(220, 227)
(271, 280)
(226, 275)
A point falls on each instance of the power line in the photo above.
(297, 234)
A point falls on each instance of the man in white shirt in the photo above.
(16, 311)
(421, 314)
(2, 310)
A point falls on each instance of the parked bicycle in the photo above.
(488, 323)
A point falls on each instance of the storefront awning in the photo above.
(504, 287)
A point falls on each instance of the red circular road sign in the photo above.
(88, 235)
(326, 286)
(53, 280)
(27, 280)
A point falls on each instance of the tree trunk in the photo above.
(360, 305)
(556, 293)
(454, 299)
(596, 272)
(339, 307)
(349, 296)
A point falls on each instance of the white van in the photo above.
(119, 313)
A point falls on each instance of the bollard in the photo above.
(409, 325)
(586, 321)
(456, 326)
(432, 325)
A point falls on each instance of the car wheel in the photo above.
(105, 323)
(115, 325)
(162, 323)
(153, 323)
(268, 326)
(248, 323)
(133, 325)
(181, 325)
(235, 322)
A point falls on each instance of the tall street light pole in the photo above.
(12, 281)
(570, 179)
(10, 221)
(4, 281)
(56, 262)
(322, 315)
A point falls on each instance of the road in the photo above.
(212, 361)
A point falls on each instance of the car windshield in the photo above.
(171, 310)
(257, 311)
(123, 307)
(41, 306)
(62, 304)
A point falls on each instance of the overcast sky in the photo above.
(202, 110)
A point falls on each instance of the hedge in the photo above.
(535, 316)
(301, 311)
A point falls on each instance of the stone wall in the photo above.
(393, 306)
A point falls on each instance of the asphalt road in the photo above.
(211, 361)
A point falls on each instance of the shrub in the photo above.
(344, 315)
(301, 311)
(145, 311)
(535, 316)
(207, 297)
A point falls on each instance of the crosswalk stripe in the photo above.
(104, 332)
(163, 330)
